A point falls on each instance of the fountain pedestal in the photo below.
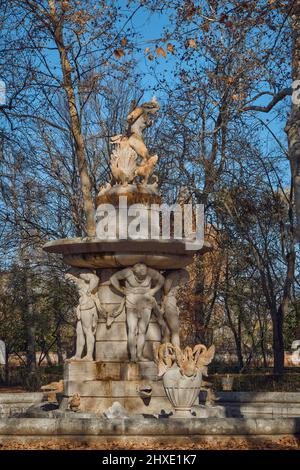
(99, 388)
(112, 377)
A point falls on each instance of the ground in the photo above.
(282, 443)
(285, 443)
(12, 389)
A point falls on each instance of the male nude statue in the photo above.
(140, 302)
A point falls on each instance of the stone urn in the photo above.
(182, 373)
(182, 391)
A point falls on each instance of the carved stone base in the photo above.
(82, 371)
(126, 371)
(134, 405)
(101, 384)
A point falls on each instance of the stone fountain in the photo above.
(127, 285)
(129, 369)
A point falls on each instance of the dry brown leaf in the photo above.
(160, 51)
(170, 48)
(118, 53)
(223, 443)
(192, 43)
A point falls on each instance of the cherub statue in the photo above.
(131, 145)
(87, 312)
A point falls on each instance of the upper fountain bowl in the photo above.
(96, 253)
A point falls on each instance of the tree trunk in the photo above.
(86, 185)
(48, 358)
(293, 124)
(199, 307)
(237, 335)
(263, 352)
(239, 353)
(238, 343)
(60, 357)
(29, 320)
(6, 368)
(278, 346)
(68, 85)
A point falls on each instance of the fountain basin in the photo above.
(92, 252)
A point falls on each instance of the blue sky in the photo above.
(150, 26)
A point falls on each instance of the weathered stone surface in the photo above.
(139, 284)
(148, 427)
(116, 410)
(106, 294)
(88, 388)
(80, 371)
(130, 371)
(182, 373)
(258, 404)
(264, 397)
(15, 403)
(118, 331)
(153, 332)
(112, 388)
(95, 253)
(148, 370)
(202, 411)
(86, 371)
(109, 370)
(111, 351)
(155, 260)
(135, 405)
(126, 371)
(94, 245)
(23, 397)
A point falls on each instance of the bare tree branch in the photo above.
(276, 98)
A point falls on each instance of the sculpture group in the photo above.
(139, 286)
(131, 146)
(128, 296)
